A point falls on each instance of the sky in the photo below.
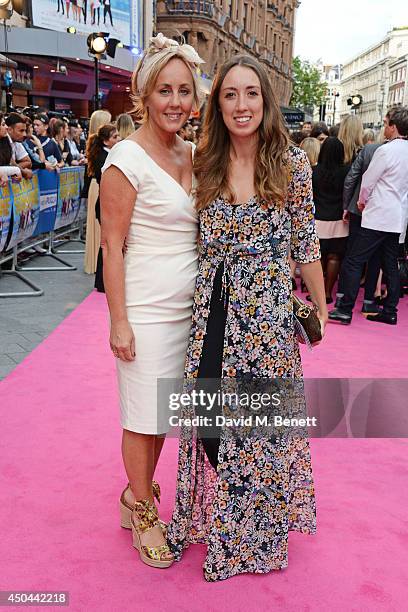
(336, 30)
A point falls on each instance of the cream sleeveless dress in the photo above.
(160, 274)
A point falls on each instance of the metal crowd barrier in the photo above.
(36, 212)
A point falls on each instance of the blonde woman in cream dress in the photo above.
(146, 198)
(93, 229)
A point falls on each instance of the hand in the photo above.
(323, 322)
(26, 173)
(36, 141)
(360, 206)
(122, 341)
(49, 166)
(16, 178)
(3, 180)
(346, 216)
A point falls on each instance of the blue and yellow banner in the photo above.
(48, 184)
(69, 199)
(26, 209)
(6, 204)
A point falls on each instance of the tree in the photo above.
(308, 89)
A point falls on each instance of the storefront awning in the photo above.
(5, 61)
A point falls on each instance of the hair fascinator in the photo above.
(160, 46)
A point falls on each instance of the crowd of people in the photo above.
(339, 157)
(354, 189)
(35, 140)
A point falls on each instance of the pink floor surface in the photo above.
(61, 475)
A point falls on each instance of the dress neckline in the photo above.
(252, 198)
(188, 195)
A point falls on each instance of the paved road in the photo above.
(25, 322)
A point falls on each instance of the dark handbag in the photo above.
(307, 323)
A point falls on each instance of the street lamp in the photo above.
(335, 95)
(100, 44)
(97, 45)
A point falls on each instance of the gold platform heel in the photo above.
(126, 509)
(147, 518)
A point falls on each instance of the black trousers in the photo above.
(210, 368)
(99, 264)
(366, 244)
(373, 264)
(107, 11)
(94, 13)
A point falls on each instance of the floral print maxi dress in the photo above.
(263, 486)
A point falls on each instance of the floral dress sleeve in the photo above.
(304, 242)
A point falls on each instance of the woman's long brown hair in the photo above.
(212, 158)
(95, 145)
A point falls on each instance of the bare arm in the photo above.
(305, 248)
(117, 197)
(313, 276)
(40, 150)
(24, 163)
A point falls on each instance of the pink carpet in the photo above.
(61, 475)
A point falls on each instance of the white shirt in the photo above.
(73, 148)
(19, 151)
(10, 171)
(384, 188)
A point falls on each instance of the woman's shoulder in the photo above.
(126, 147)
(127, 152)
(129, 158)
(297, 163)
(296, 157)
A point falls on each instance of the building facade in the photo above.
(221, 28)
(330, 109)
(398, 89)
(368, 75)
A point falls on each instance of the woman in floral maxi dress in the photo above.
(262, 486)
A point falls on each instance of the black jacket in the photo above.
(328, 193)
(100, 161)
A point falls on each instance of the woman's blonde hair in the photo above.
(125, 125)
(311, 146)
(98, 119)
(381, 136)
(150, 78)
(368, 136)
(212, 158)
(351, 135)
